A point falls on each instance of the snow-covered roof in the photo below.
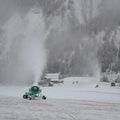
(53, 76)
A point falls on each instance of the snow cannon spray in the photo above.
(24, 57)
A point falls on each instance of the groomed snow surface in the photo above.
(75, 99)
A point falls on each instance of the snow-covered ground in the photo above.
(18, 109)
(76, 99)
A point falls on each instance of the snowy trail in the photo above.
(12, 108)
(75, 93)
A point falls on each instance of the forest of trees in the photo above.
(84, 37)
(86, 44)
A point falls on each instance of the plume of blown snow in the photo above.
(26, 55)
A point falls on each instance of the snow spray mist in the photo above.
(26, 55)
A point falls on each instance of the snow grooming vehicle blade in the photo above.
(33, 93)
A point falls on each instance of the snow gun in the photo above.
(34, 92)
